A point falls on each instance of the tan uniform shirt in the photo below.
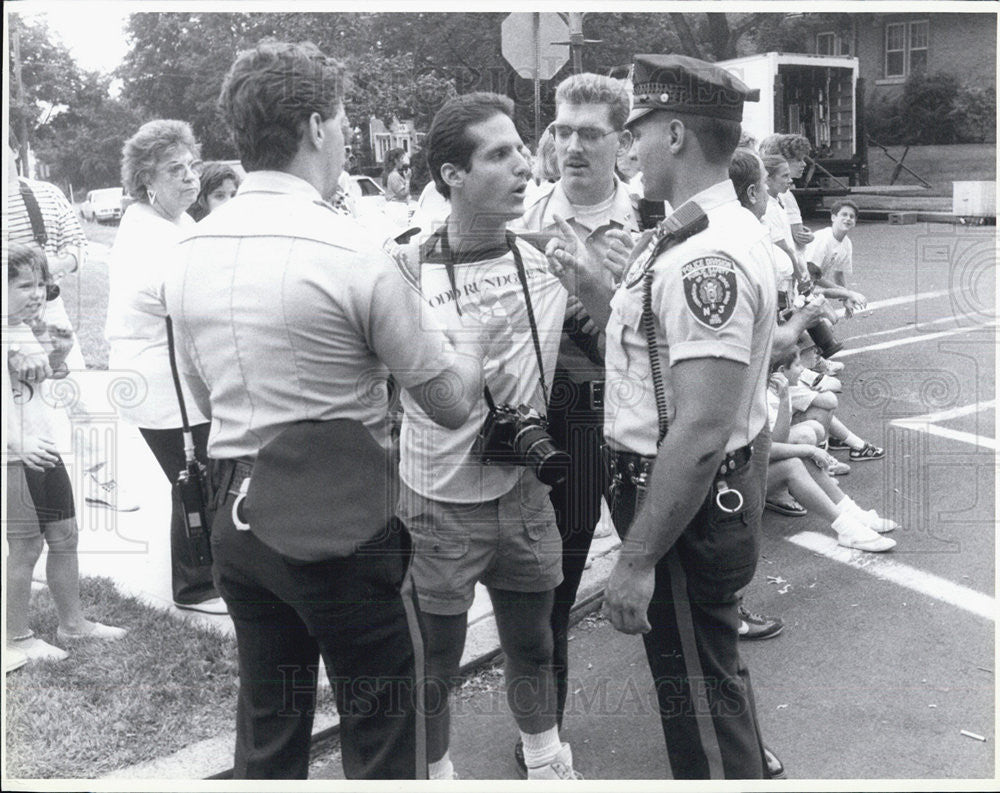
(713, 296)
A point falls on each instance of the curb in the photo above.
(202, 760)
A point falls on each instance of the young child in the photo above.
(43, 508)
(803, 470)
(839, 435)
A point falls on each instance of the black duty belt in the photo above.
(634, 468)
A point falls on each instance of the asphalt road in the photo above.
(884, 659)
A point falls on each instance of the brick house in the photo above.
(891, 47)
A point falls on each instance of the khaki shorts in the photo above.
(511, 543)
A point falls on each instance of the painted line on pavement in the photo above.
(896, 301)
(885, 345)
(928, 423)
(878, 565)
(950, 413)
(911, 326)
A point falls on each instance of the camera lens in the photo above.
(536, 449)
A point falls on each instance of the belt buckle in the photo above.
(595, 394)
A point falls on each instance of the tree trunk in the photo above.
(684, 33)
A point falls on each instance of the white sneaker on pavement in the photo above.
(874, 521)
(852, 533)
(560, 768)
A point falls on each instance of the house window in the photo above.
(895, 50)
(918, 46)
(830, 43)
(905, 48)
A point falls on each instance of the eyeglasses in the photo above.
(177, 170)
(589, 136)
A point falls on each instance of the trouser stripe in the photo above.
(409, 597)
(692, 663)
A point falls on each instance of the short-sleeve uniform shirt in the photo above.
(713, 296)
(287, 312)
(830, 255)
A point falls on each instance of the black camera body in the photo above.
(193, 490)
(519, 436)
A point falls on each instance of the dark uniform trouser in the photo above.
(577, 428)
(702, 685)
(359, 613)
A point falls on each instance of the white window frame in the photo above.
(909, 42)
(885, 45)
(907, 48)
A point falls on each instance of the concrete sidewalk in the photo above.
(133, 550)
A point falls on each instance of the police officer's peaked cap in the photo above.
(686, 85)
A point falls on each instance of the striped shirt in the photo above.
(61, 224)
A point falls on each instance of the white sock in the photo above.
(850, 526)
(541, 748)
(845, 505)
(854, 441)
(441, 769)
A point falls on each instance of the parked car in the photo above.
(104, 205)
(373, 210)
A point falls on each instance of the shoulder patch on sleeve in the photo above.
(710, 289)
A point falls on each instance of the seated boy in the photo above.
(830, 257)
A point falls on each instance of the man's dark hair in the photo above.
(448, 139)
(745, 169)
(270, 92)
(717, 137)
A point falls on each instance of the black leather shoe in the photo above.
(519, 757)
(774, 766)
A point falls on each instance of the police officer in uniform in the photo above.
(689, 339)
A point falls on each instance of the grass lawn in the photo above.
(167, 684)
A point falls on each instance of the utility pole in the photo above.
(576, 40)
(22, 127)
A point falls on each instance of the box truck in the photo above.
(819, 96)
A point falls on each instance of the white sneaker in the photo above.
(560, 768)
(852, 533)
(13, 658)
(35, 649)
(107, 494)
(874, 521)
(826, 366)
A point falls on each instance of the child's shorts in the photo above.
(46, 495)
(510, 543)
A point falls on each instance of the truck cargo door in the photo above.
(779, 103)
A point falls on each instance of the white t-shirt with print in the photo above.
(830, 255)
(439, 463)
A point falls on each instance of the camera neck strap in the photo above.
(185, 426)
(523, 278)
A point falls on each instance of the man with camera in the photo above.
(589, 134)
(476, 498)
(288, 322)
